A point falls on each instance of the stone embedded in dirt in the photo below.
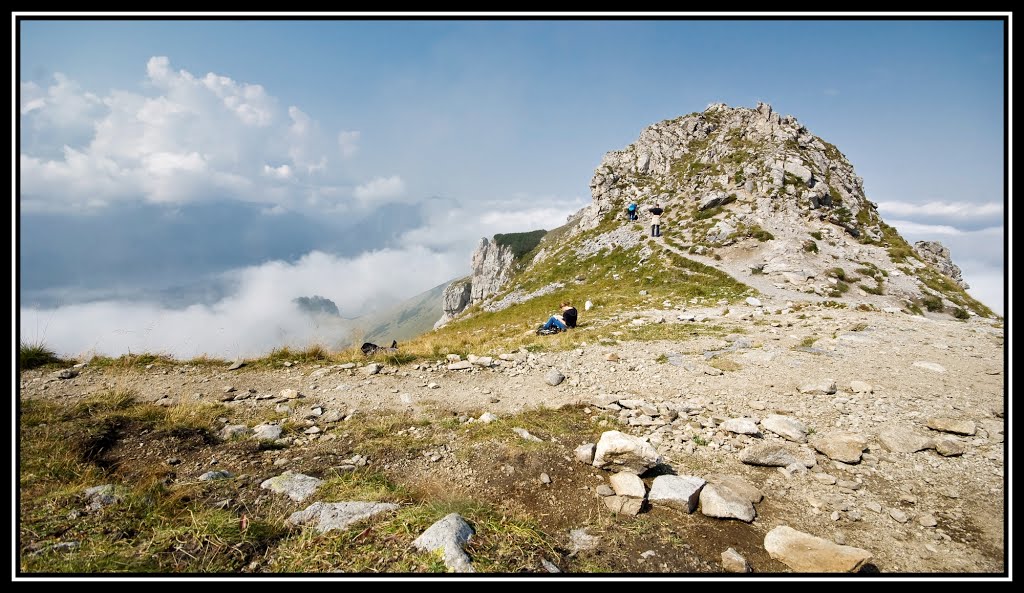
(623, 505)
(628, 485)
(898, 515)
(289, 393)
(448, 536)
(753, 302)
(233, 430)
(525, 434)
(332, 416)
(229, 389)
(822, 387)
(948, 446)
(433, 385)
(806, 553)
(582, 541)
(372, 368)
(312, 430)
(347, 366)
(737, 484)
(904, 440)
(605, 490)
(585, 453)
(824, 478)
(678, 492)
(927, 520)
(732, 561)
(786, 427)
(545, 479)
(860, 387)
(453, 358)
(724, 503)
(98, 497)
(775, 454)
(338, 515)
(840, 446)
(487, 418)
(611, 357)
(216, 475)
(236, 365)
(873, 506)
(481, 361)
(632, 404)
(266, 432)
(616, 451)
(954, 425)
(554, 377)
(298, 487)
(66, 374)
(740, 426)
(549, 566)
(460, 366)
(931, 366)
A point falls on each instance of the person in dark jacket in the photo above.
(656, 220)
(561, 321)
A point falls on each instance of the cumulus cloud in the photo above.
(907, 227)
(381, 189)
(188, 138)
(256, 317)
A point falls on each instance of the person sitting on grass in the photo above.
(560, 321)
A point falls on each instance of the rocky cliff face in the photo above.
(491, 264)
(937, 254)
(455, 298)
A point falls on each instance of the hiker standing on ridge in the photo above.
(656, 220)
(631, 211)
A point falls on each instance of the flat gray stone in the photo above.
(904, 440)
(233, 430)
(326, 516)
(803, 552)
(462, 365)
(786, 427)
(723, 503)
(298, 487)
(487, 418)
(372, 368)
(448, 535)
(953, 425)
(236, 365)
(732, 561)
(677, 492)
(774, 455)
(738, 485)
(846, 447)
(266, 432)
(898, 515)
(616, 451)
(931, 366)
(740, 426)
(822, 387)
(289, 393)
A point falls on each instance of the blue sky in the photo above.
(183, 175)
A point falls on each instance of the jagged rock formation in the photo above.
(455, 298)
(937, 254)
(491, 264)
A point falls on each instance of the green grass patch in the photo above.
(961, 313)
(520, 243)
(661, 359)
(932, 303)
(817, 235)
(36, 354)
(809, 246)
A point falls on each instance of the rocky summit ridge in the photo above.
(753, 194)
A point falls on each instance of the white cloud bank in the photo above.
(955, 210)
(258, 317)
